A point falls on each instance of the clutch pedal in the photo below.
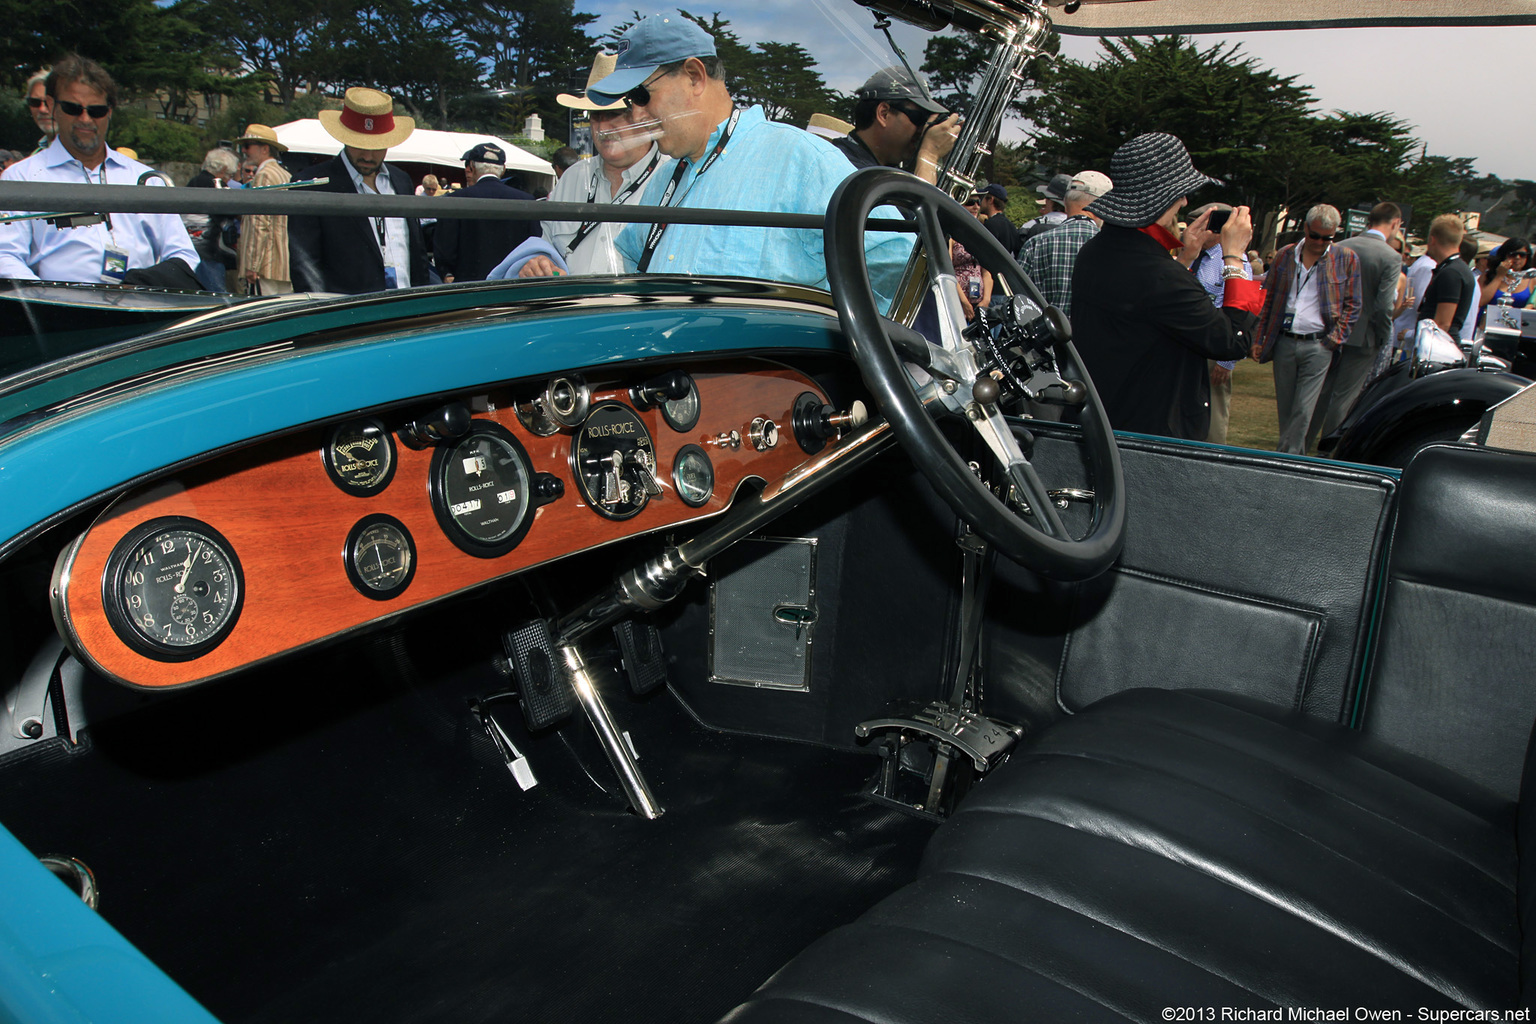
(547, 697)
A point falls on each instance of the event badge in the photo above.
(390, 280)
(114, 265)
(1290, 320)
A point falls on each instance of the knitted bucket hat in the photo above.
(1149, 172)
(367, 121)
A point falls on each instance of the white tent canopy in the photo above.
(441, 149)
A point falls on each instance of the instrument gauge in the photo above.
(380, 557)
(359, 456)
(682, 414)
(614, 461)
(173, 588)
(482, 490)
(693, 475)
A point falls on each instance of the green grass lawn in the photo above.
(1254, 423)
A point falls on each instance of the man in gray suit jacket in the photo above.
(1380, 267)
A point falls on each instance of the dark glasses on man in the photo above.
(640, 95)
(96, 110)
(600, 116)
(35, 101)
(1320, 238)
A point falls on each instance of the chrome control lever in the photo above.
(641, 460)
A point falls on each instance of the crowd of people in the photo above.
(1163, 300)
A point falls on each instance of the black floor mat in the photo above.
(300, 847)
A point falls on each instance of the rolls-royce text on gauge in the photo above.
(614, 461)
(484, 490)
(173, 588)
(359, 456)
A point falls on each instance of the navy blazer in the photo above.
(470, 249)
(341, 254)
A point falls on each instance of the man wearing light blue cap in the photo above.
(726, 159)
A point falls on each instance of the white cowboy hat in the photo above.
(602, 67)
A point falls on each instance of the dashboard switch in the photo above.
(764, 433)
(442, 424)
(669, 387)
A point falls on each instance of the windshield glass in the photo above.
(751, 107)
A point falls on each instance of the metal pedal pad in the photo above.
(547, 697)
(644, 660)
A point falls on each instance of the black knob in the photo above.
(439, 425)
(985, 390)
(547, 488)
(669, 387)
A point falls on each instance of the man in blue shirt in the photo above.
(154, 248)
(727, 159)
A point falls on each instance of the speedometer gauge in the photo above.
(482, 490)
(173, 589)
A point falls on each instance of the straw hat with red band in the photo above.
(367, 121)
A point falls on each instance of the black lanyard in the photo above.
(618, 200)
(657, 230)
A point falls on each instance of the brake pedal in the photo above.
(547, 697)
(644, 660)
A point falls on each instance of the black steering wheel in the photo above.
(968, 376)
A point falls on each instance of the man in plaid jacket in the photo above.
(1311, 302)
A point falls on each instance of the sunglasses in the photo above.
(96, 110)
(36, 101)
(1319, 238)
(640, 95)
(599, 116)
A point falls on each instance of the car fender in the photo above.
(1464, 393)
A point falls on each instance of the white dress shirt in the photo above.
(36, 250)
(1306, 298)
(396, 249)
(596, 254)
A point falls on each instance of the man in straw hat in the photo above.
(727, 158)
(626, 161)
(353, 255)
(1142, 321)
(264, 238)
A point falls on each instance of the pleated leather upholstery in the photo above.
(1185, 848)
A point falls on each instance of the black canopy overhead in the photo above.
(1138, 17)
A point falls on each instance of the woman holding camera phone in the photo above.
(1505, 277)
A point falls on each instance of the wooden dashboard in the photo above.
(289, 524)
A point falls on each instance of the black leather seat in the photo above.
(1187, 848)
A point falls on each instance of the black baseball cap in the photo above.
(486, 153)
(897, 83)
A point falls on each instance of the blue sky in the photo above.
(1448, 83)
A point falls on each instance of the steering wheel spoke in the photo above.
(960, 377)
(1020, 473)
